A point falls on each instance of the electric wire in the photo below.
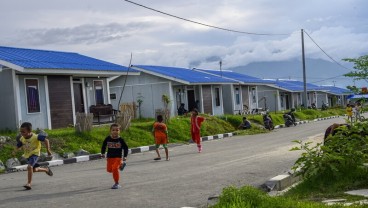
(203, 24)
(243, 32)
(322, 80)
(325, 52)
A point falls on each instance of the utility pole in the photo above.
(220, 67)
(305, 97)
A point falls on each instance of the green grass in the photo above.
(327, 186)
(250, 197)
(139, 134)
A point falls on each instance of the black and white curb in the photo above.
(141, 149)
(85, 158)
(304, 122)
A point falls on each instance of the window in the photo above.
(237, 96)
(98, 92)
(113, 96)
(33, 99)
(217, 96)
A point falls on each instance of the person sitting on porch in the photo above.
(182, 110)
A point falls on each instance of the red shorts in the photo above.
(161, 140)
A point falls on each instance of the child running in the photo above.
(159, 131)
(349, 112)
(195, 130)
(115, 146)
(31, 145)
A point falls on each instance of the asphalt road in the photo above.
(187, 180)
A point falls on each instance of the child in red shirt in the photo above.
(195, 130)
(160, 133)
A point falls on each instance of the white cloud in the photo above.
(113, 29)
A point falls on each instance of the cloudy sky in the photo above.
(113, 29)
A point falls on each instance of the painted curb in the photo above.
(281, 182)
(85, 158)
(135, 150)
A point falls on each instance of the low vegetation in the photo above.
(328, 171)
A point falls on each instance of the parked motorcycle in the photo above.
(288, 120)
(267, 121)
(324, 106)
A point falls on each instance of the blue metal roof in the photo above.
(296, 86)
(43, 59)
(336, 90)
(237, 76)
(187, 75)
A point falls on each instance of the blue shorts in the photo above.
(32, 161)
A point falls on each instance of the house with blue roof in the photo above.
(259, 94)
(245, 95)
(193, 88)
(292, 98)
(336, 96)
(48, 88)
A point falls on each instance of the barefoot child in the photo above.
(195, 130)
(115, 146)
(160, 133)
(31, 144)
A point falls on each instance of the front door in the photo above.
(287, 101)
(78, 98)
(191, 100)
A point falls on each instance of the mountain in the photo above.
(318, 71)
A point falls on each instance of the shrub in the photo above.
(345, 152)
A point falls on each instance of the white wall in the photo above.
(146, 87)
(7, 102)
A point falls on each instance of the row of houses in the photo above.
(48, 88)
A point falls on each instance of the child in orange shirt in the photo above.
(159, 131)
(115, 145)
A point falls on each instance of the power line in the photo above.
(328, 79)
(203, 24)
(242, 32)
(326, 53)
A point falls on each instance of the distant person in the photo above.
(349, 112)
(196, 104)
(182, 110)
(267, 121)
(195, 129)
(115, 146)
(358, 109)
(314, 106)
(331, 130)
(31, 144)
(245, 124)
(161, 137)
(292, 114)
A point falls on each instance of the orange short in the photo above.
(113, 164)
(161, 140)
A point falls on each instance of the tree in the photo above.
(360, 66)
(166, 100)
(354, 89)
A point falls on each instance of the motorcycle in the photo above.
(288, 120)
(324, 106)
(267, 121)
